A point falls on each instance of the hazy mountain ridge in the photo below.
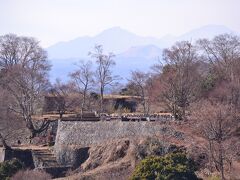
(114, 39)
(119, 40)
(205, 32)
(132, 51)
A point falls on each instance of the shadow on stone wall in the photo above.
(25, 156)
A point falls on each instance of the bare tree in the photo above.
(223, 55)
(63, 95)
(179, 77)
(104, 75)
(139, 80)
(12, 128)
(222, 52)
(157, 67)
(83, 80)
(23, 72)
(217, 125)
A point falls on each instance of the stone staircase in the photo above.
(45, 159)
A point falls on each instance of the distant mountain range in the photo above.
(132, 51)
(115, 39)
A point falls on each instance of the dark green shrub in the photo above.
(9, 168)
(173, 166)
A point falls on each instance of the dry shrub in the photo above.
(31, 174)
(152, 147)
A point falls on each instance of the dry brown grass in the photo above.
(31, 175)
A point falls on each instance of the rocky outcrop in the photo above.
(117, 159)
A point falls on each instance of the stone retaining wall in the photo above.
(91, 133)
(72, 135)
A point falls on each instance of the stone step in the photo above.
(43, 153)
(44, 158)
(48, 159)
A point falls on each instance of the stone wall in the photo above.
(72, 135)
(2, 155)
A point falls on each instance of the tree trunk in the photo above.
(221, 163)
(230, 169)
(184, 112)
(84, 99)
(31, 129)
(101, 99)
(143, 100)
(83, 103)
(34, 131)
(211, 159)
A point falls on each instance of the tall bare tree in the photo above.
(83, 79)
(179, 77)
(217, 126)
(223, 55)
(139, 80)
(104, 75)
(64, 97)
(222, 52)
(24, 73)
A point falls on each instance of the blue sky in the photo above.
(51, 21)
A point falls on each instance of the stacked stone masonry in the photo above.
(74, 136)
